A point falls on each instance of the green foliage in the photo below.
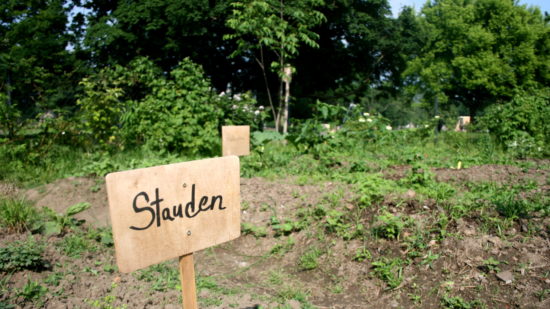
(74, 245)
(21, 255)
(389, 226)
(521, 124)
(56, 224)
(310, 259)
(256, 231)
(32, 291)
(457, 302)
(471, 57)
(240, 109)
(138, 105)
(389, 271)
(10, 117)
(17, 215)
(163, 277)
(285, 227)
(490, 265)
(280, 27)
(362, 254)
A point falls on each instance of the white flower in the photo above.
(63, 133)
(366, 114)
(436, 117)
(388, 128)
(352, 105)
(362, 119)
(256, 112)
(261, 107)
(369, 120)
(425, 126)
(234, 106)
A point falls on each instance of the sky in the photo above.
(396, 5)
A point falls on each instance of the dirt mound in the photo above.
(64, 193)
(269, 269)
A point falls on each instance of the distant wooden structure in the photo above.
(463, 121)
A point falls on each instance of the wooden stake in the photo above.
(187, 276)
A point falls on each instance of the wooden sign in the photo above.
(169, 211)
(463, 121)
(235, 140)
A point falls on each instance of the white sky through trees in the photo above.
(397, 5)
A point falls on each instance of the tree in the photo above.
(280, 27)
(165, 31)
(37, 71)
(478, 52)
(363, 52)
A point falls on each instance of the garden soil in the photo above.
(262, 272)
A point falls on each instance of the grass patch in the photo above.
(17, 215)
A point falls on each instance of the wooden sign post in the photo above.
(235, 140)
(170, 211)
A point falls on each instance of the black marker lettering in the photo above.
(140, 209)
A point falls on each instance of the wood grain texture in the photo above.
(235, 140)
(174, 184)
(187, 276)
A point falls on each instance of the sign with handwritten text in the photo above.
(167, 211)
(235, 140)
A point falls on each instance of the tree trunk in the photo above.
(287, 78)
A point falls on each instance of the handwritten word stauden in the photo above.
(158, 213)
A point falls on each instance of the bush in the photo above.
(521, 125)
(139, 105)
(21, 255)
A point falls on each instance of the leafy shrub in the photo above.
(521, 125)
(138, 105)
(21, 255)
(240, 109)
(17, 215)
(10, 117)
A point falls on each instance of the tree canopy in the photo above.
(467, 53)
(478, 52)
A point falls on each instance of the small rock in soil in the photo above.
(506, 276)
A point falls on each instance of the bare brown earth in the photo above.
(248, 274)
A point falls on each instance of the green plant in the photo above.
(285, 227)
(457, 302)
(310, 259)
(389, 271)
(429, 258)
(521, 124)
(56, 224)
(33, 292)
(282, 248)
(139, 105)
(510, 205)
(490, 265)
(362, 254)
(251, 229)
(542, 294)
(17, 215)
(162, 277)
(21, 255)
(389, 226)
(74, 245)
